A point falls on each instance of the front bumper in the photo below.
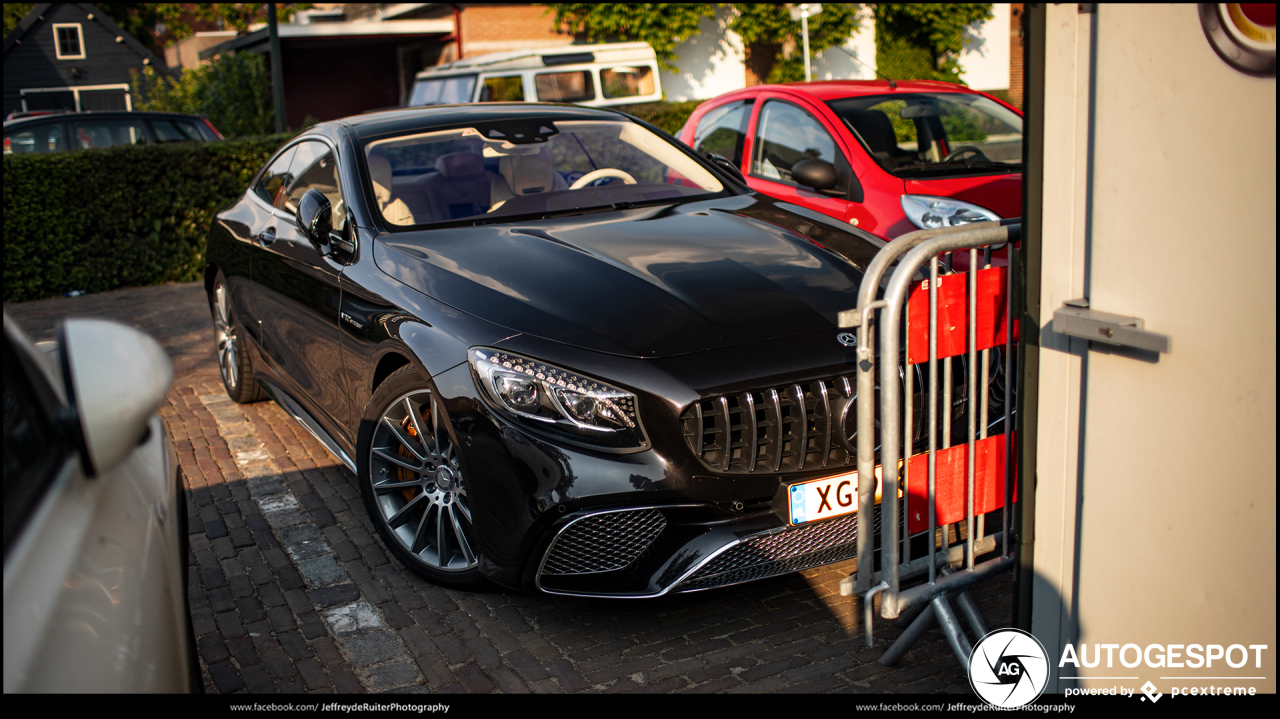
(684, 548)
(570, 520)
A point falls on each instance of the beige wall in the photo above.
(186, 53)
(1156, 475)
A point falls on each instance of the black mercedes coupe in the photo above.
(560, 350)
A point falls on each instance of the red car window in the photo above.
(723, 131)
(785, 135)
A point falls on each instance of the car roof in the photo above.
(836, 89)
(90, 113)
(432, 116)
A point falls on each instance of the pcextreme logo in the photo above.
(1008, 668)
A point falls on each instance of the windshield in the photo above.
(509, 168)
(923, 135)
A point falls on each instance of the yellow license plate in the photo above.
(827, 497)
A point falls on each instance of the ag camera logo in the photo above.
(1008, 668)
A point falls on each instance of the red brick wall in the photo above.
(1015, 54)
(497, 28)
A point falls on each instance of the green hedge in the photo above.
(99, 220)
(669, 116)
(122, 217)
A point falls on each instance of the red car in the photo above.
(888, 157)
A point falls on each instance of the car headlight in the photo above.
(549, 398)
(928, 212)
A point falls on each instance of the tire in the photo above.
(414, 490)
(234, 362)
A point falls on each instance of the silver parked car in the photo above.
(94, 535)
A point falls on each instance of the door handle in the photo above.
(267, 236)
(1077, 320)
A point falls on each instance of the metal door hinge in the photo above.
(1075, 318)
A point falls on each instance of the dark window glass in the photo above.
(92, 134)
(315, 167)
(104, 100)
(68, 41)
(723, 131)
(176, 131)
(573, 86)
(502, 89)
(786, 135)
(275, 178)
(31, 456)
(44, 138)
(626, 81)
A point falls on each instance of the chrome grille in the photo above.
(780, 552)
(808, 425)
(603, 542)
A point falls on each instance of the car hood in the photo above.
(1002, 194)
(646, 282)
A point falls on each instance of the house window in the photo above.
(69, 39)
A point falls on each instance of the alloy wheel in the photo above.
(418, 485)
(225, 334)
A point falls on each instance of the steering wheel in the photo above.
(594, 175)
(963, 151)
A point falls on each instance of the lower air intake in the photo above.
(603, 542)
(780, 552)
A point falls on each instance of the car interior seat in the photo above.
(460, 186)
(877, 131)
(394, 210)
(524, 175)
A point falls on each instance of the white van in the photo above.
(596, 75)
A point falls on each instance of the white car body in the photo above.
(94, 579)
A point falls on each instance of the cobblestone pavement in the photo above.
(291, 590)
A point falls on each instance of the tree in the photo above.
(662, 25)
(13, 14)
(924, 41)
(768, 27)
(233, 91)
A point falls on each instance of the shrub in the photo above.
(121, 217)
(669, 116)
(233, 91)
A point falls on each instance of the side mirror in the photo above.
(725, 164)
(815, 173)
(114, 376)
(315, 218)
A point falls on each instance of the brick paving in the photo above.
(291, 590)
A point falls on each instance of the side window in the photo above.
(509, 88)
(786, 135)
(87, 134)
(315, 167)
(276, 177)
(42, 138)
(723, 131)
(574, 86)
(31, 452)
(626, 81)
(176, 131)
(68, 40)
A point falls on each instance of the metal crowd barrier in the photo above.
(945, 488)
